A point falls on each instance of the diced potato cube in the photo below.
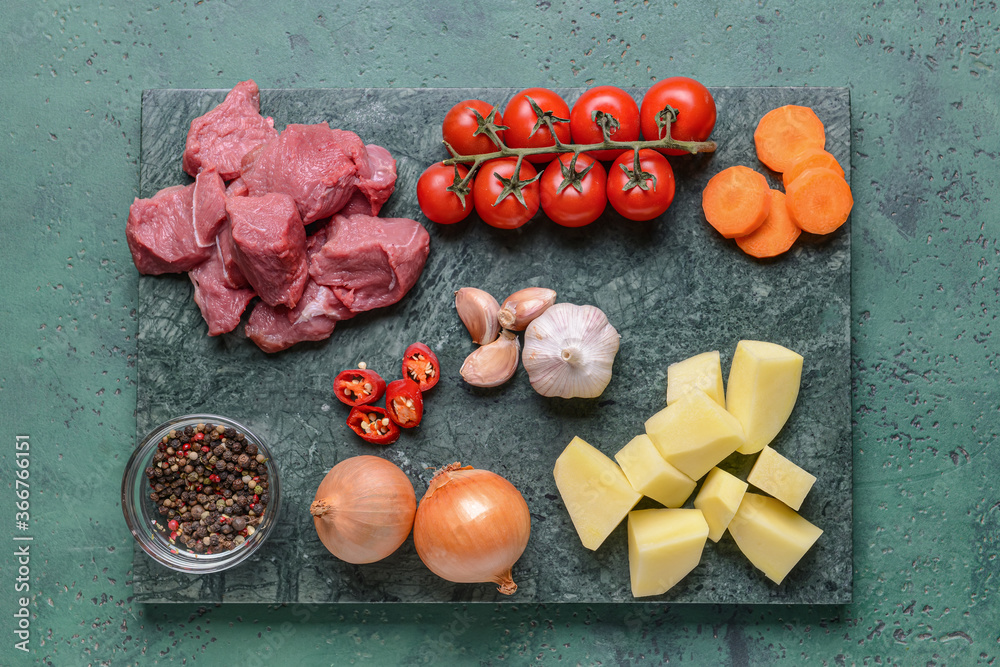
(771, 535)
(663, 546)
(763, 385)
(719, 498)
(776, 475)
(694, 433)
(651, 475)
(595, 491)
(702, 371)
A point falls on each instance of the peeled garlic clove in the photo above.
(569, 351)
(523, 306)
(492, 365)
(478, 311)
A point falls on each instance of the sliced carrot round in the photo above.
(776, 235)
(736, 201)
(812, 159)
(785, 133)
(819, 201)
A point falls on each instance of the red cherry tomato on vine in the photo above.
(523, 127)
(574, 195)
(461, 125)
(695, 111)
(609, 100)
(509, 212)
(436, 201)
(641, 194)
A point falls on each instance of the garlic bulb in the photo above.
(523, 306)
(492, 365)
(478, 311)
(569, 350)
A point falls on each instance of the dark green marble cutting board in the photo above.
(672, 287)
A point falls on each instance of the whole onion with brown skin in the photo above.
(364, 509)
(471, 526)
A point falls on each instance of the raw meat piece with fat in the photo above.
(272, 329)
(225, 134)
(231, 271)
(379, 179)
(370, 262)
(221, 306)
(315, 165)
(209, 206)
(269, 246)
(160, 232)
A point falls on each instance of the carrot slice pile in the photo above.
(785, 133)
(814, 159)
(736, 201)
(776, 235)
(819, 200)
(765, 223)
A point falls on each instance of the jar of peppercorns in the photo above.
(200, 493)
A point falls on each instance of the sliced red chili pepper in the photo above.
(373, 424)
(404, 402)
(421, 366)
(358, 386)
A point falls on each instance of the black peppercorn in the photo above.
(180, 486)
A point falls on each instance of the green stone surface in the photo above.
(925, 281)
(672, 287)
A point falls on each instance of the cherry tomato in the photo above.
(495, 193)
(463, 128)
(609, 100)
(436, 201)
(641, 193)
(574, 194)
(695, 111)
(526, 130)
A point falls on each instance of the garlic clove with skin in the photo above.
(521, 307)
(478, 311)
(492, 365)
(569, 351)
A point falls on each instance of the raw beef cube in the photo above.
(220, 305)
(318, 301)
(230, 270)
(378, 179)
(269, 246)
(315, 165)
(209, 206)
(370, 262)
(237, 188)
(160, 232)
(272, 330)
(225, 134)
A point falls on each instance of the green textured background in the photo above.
(926, 287)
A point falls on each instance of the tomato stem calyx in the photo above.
(571, 176)
(636, 176)
(546, 118)
(514, 185)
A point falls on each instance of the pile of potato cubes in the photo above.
(702, 425)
